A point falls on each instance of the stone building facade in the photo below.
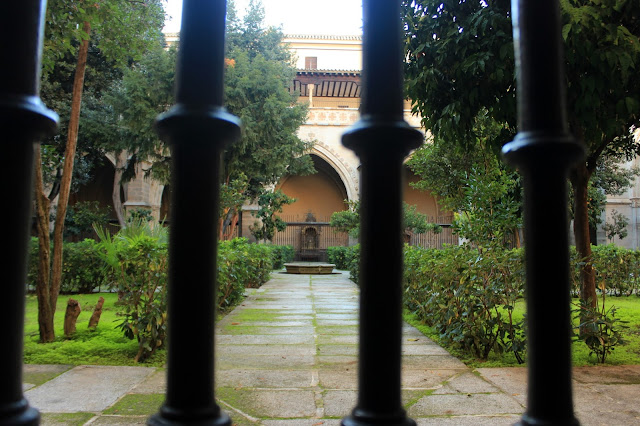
(328, 79)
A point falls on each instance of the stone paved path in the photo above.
(287, 357)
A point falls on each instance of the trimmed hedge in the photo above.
(346, 259)
(241, 265)
(282, 255)
(617, 270)
(468, 296)
(82, 268)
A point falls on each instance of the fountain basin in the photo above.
(309, 268)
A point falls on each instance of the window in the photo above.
(311, 62)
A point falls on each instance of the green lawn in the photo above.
(104, 346)
(108, 346)
(628, 310)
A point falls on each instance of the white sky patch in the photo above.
(327, 17)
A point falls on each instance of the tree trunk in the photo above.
(67, 171)
(516, 235)
(97, 312)
(115, 194)
(71, 316)
(45, 313)
(580, 181)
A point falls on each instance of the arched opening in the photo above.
(317, 195)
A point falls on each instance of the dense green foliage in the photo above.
(241, 265)
(468, 296)
(82, 270)
(460, 65)
(617, 270)
(484, 194)
(345, 258)
(82, 216)
(471, 300)
(349, 220)
(282, 255)
(136, 259)
(133, 263)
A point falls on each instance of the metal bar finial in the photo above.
(381, 139)
(197, 129)
(24, 120)
(543, 151)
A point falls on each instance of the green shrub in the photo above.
(352, 262)
(281, 255)
(616, 269)
(82, 270)
(468, 296)
(338, 256)
(82, 216)
(137, 260)
(241, 265)
(600, 330)
(82, 267)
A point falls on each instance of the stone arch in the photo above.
(348, 175)
(318, 195)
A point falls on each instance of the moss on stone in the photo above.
(135, 404)
(67, 419)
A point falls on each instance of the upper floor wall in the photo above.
(314, 52)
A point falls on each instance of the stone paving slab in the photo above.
(34, 375)
(262, 379)
(253, 339)
(603, 395)
(86, 388)
(465, 404)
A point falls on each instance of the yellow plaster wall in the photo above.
(315, 193)
(424, 200)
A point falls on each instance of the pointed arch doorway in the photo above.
(317, 196)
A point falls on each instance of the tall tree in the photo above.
(482, 191)
(460, 62)
(121, 30)
(145, 90)
(259, 71)
(258, 79)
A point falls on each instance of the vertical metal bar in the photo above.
(381, 139)
(197, 128)
(543, 151)
(23, 121)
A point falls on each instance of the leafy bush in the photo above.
(137, 260)
(82, 270)
(241, 265)
(600, 330)
(281, 255)
(617, 269)
(468, 296)
(82, 216)
(337, 256)
(352, 262)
